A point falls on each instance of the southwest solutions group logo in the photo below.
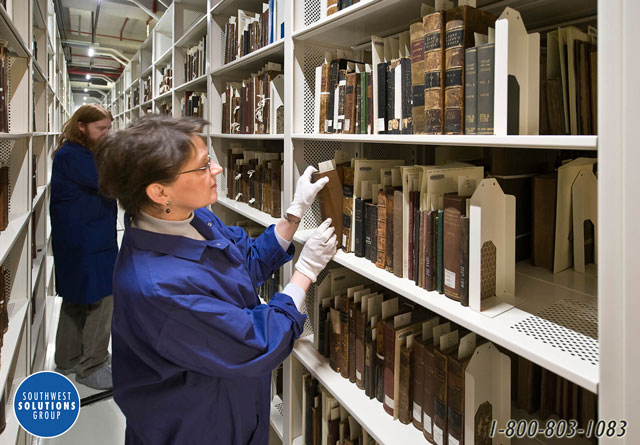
(46, 404)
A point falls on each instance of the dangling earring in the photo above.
(168, 210)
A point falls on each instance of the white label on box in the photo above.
(388, 401)
(438, 437)
(358, 375)
(426, 422)
(344, 239)
(347, 124)
(453, 440)
(380, 124)
(417, 412)
(449, 279)
(397, 109)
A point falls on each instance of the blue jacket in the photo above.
(83, 227)
(193, 348)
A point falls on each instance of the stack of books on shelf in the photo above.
(437, 77)
(147, 91)
(250, 31)
(255, 105)
(324, 421)
(166, 80)
(417, 221)
(135, 97)
(4, 88)
(192, 103)
(429, 372)
(255, 178)
(195, 61)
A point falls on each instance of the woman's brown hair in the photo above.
(86, 114)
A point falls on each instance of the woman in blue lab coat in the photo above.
(83, 236)
(193, 348)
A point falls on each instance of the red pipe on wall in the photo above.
(123, 25)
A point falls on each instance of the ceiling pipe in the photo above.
(102, 35)
(123, 25)
(94, 24)
(145, 9)
(104, 76)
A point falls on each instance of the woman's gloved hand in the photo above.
(317, 251)
(305, 192)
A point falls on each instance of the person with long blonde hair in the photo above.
(83, 232)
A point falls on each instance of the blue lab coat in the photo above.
(83, 227)
(193, 348)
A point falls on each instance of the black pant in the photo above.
(83, 335)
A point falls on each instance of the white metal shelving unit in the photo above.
(605, 366)
(39, 71)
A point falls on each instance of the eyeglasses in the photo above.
(205, 167)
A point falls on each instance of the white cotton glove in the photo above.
(305, 192)
(317, 251)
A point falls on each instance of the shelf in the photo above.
(248, 211)
(10, 434)
(273, 137)
(14, 135)
(196, 31)
(38, 197)
(35, 328)
(164, 96)
(9, 235)
(373, 17)
(17, 313)
(147, 71)
(39, 134)
(536, 292)
(8, 31)
(37, 268)
(276, 417)
(49, 266)
(252, 62)
(39, 21)
(544, 141)
(163, 58)
(37, 70)
(200, 81)
(369, 413)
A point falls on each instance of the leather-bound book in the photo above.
(357, 114)
(544, 220)
(381, 256)
(439, 264)
(464, 260)
(339, 125)
(422, 249)
(359, 229)
(330, 196)
(360, 328)
(417, 382)
(454, 208)
(325, 114)
(335, 341)
(406, 124)
(323, 334)
(374, 232)
(4, 197)
(416, 30)
(343, 308)
(397, 233)
(411, 231)
(389, 354)
(332, 6)
(352, 341)
(310, 388)
(382, 97)
(457, 362)
(379, 362)
(428, 390)
(430, 251)
(462, 23)
(362, 100)
(416, 236)
(390, 233)
(404, 384)
(370, 351)
(371, 218)
(347, 206)
(471, 91)
(276, 181)
(393, 119)
(434, 25)
(486, 89)
(370, 125)
(350, 103)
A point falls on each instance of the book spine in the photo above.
(486, 56)
(451, 253)
(397, 233)
(379, 362)
(359, 229)
(411, 237)
(389, 356)
(333, 82)
(464, 260)
(428, 392)
(440, 374)
(393, 115)
(416, 31)
(470, 91)
(390, 234)
(369, 361)
(416, 236)
(352, 342)
(439, 252)
(417, 383)
(360, 322)
(342, 98)
(429, 258)
(325, 95)
(347, 207)
(454, 78)
(434, 72)
(335, 341)
(343, 305)
(455, 400)
(404, 383)
(382, 97)
(374, 233)
(407, 119)
(364, 113)
(368, 240)
(350, 104)
(381, 255)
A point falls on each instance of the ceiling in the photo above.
(121, 27)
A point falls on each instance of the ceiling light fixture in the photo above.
(91, 52)
(88, 76)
